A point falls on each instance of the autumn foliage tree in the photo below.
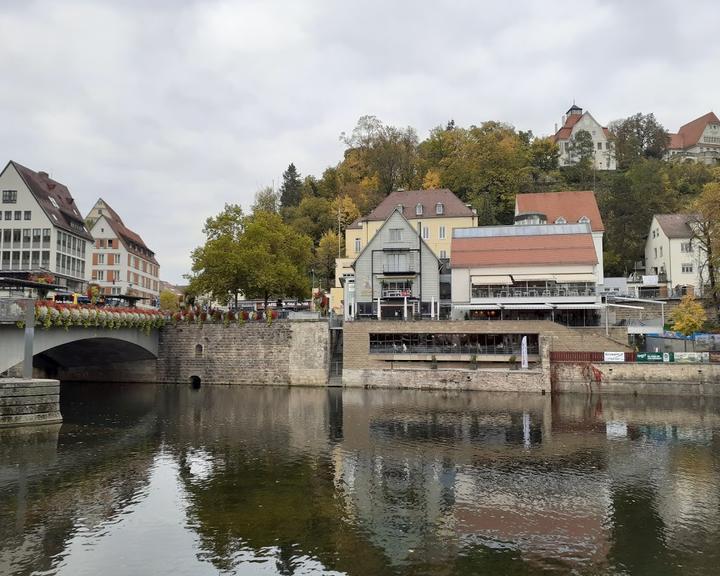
(688, 317)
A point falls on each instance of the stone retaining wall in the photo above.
(29, 401)
(291, 353)
(640, 378)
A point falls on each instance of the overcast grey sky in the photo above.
(170, 108)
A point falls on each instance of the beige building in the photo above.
(434, 213)
(574, 121)
(41, 229)
(697, 141)
(121, 263)
(673, 261)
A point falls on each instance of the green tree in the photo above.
(705, 224)
(312, 217)
(266, 200)
(169, 301)
(638, 136)
(688, 317)
(292, 187)
(324, 261)
(276, 258)
(581, 148)
(217, 268)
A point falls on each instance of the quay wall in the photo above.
(33, 401)
(637, 378)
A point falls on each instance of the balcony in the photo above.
(394, 293)
(561, 291)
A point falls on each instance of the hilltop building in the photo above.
(697, 141)
(121, 263)
(573, 122)
(41, 229)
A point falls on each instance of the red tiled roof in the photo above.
(64, 213)
(452, 205)
(690, 133)
(566, 129)
(494, 251)
(570, 205)
(129, 238)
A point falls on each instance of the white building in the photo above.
(574, 121)
(121, 263)
(698, 141)
(41, 229)
(672, 258)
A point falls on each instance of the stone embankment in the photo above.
(25, 401)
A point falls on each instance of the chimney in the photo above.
(44, 175)
(555, 127)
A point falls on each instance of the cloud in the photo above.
(169, 109)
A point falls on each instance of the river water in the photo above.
(156, 480)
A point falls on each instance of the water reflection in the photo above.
(144, 479)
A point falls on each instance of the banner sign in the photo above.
(692, 357)
(650, 357)
(613, 356)
(668, 356)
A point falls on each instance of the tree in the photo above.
(638, 136)
(324, 261)
(688, 317)
(276, 258)
(292, 186)
(581, 148)
(431, 181)
(216, 266)
(266, 200)
(169, 301)
(705, 224)
(544, 154)
(312, 217)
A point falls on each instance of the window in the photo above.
(357, 245)
(599, 145)
(101, 258)
(425, 233)
(16, 237)
(396, 234)
(655, 252)
(8, 215)
(101, 275)
(54, 202)
(687, 268)
(442, 233)
(439, 208)
(443, 254)
(27, 215)
(18, 214)
(660, 251)
(418, 210)
(584, 220)
(686, 247)
(9, 196)
(396, 263)
(607, 145)
(7, 235)
(560, 220)
(401, 207)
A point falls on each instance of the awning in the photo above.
(488, 280)
(579, 306)
(477, 307)
(533, 277)
(564, 278)
(527, 306)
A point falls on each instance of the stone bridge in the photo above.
(77, 346)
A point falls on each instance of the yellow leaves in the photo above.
(688, 317)
(431, 180)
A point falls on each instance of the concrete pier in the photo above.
(32, 401)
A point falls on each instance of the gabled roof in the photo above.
(571, 205)
(376, 237)
(452, 205)
(55, 200)
(526, 250)
(131, 240)
(675, 225)
(565, 131)
(689, 134)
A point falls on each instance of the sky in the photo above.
(168, 109)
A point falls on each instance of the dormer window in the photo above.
(54, 203)
(560, 220)
(418, 209)
(401, 208)
(439, 208)
(584, 220)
